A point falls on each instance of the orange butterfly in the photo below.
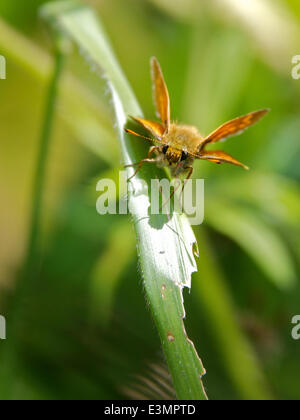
(179, 145)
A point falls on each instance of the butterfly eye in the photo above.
(165, 149)
(184, 156)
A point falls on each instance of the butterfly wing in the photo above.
(233, 128)
(218, 156)
(161, 94)
(155, 128)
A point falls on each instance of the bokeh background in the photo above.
(80, 327)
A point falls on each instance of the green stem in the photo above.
(41, 167)
(9, 355)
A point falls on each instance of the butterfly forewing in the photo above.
(234, 127)
(161, 94)
(155, 128)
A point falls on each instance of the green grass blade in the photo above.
(32, 260)
(88, 113)
(103, 292)
(260, 241)
(239, 358)
(165, 249)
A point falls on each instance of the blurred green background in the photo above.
(80, 327)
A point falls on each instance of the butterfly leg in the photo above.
(191, 170)
(146, 160)
(176, 174)
(172, 193)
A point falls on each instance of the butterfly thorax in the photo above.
(181, 138)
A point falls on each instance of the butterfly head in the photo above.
(174, 156)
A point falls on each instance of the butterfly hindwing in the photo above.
(218, 156)
(233, 128)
